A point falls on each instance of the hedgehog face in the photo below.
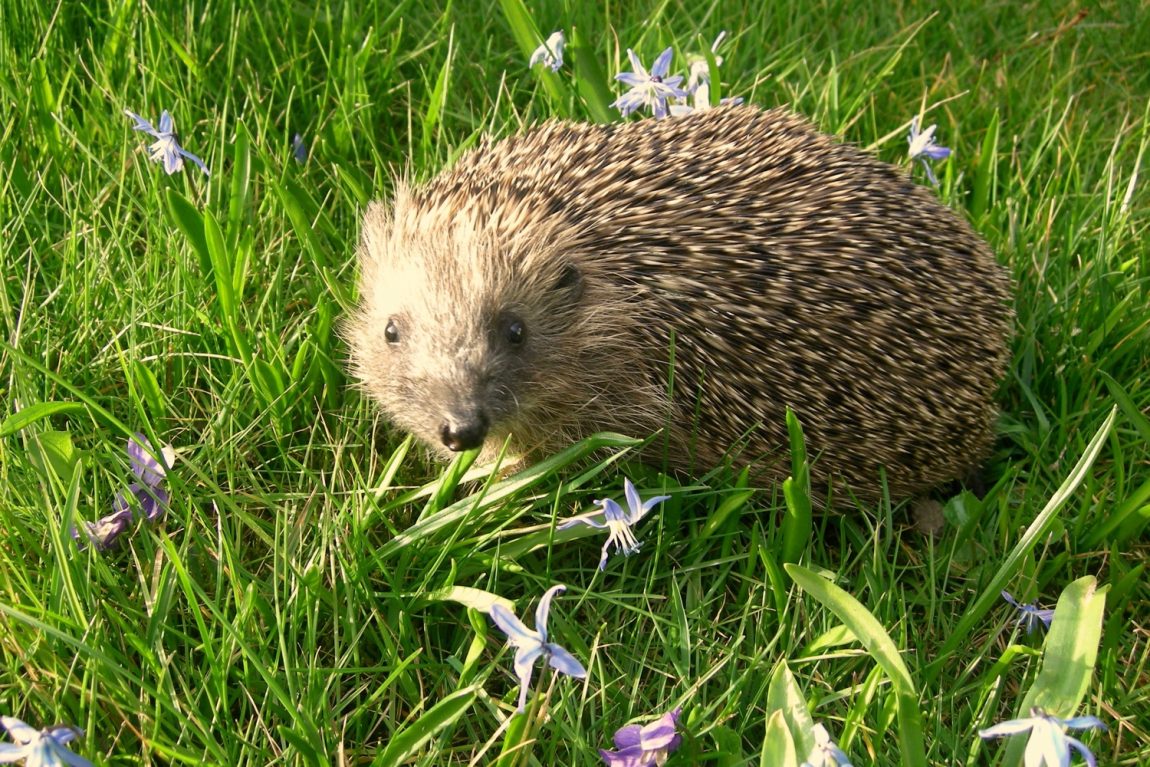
(451, 378)
(450, 330)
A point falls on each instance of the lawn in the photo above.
(316, 589)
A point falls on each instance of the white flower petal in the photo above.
(516, 631)
(662, 63)
(20, 732)
(636, 65)
(545, 607)
(565, 662)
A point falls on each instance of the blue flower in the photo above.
(550, 53)
(923, 148)
(619, 522)
(826, 753)
(646, 746)
(150, 467)
(1049, 744)
(44, 748)
(299, 149)
(166, 148)
(531, 644)
(1030, 615)
(651, 89)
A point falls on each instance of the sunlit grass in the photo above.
(301, 601)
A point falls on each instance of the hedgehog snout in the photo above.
(464, 429)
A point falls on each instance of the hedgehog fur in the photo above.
(549, 285)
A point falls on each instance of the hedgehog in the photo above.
(697, 276)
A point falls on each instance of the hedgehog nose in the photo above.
(464, 432)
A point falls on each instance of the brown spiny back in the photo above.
(783, 267)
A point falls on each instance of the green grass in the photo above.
(296, 606)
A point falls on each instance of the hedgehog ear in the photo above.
(570, 283)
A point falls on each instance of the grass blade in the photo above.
(410, 739)
(986, 174)
(591, 80)
(1129, 409)
(797, 526)
(437, 99)
(1127, 519)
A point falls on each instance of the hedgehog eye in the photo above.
(515, 332)
(391, 332)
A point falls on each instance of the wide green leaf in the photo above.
(26, 416)
(190, 221)
(728, 747)
(221, 267)
(591, 79)
(469, 597)
(785, 697)
(52, 452)
(1068, 657)
(881, 647)
(778, 746)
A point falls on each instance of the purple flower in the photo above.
(166, 149)
(923, 148)
(531, 644)
(646, 746)
(651, 89)
(104, 532)
(299, 149)
(1030, 615)
(826, 753)
(619, 522)
(43, 748)
(1049, 744)
(550, 53)
(150, 467)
